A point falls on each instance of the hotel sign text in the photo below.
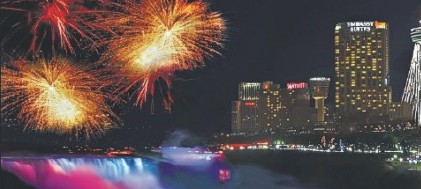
(360, 26)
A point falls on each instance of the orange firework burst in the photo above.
(55, 96)
(159, 37)
(61, 22)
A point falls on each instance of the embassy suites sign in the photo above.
(360, 26)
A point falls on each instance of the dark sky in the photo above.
(275, 40)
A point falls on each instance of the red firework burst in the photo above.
(61, 22)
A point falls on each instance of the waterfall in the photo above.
(83, 172)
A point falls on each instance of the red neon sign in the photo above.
(291, 86)
(250, 103)
(266, 86)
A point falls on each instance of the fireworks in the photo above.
(159, 37)
(144, 43)
(59, 22)
(412, 92)
(55, 96)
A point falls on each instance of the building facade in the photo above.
(235, 117)
(249, 95)
(400, 111)
(295, 104)
(362, 68)
(269, 105)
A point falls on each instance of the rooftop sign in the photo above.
(292, 86)
(365, 26)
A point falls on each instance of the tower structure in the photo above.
(319, 90)
(412, 91)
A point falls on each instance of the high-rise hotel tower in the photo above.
(249, 95)
(362, 68)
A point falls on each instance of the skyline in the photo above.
(294, 46)
(254, 57)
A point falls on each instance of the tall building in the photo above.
(319, 90)
(248, 95)
(269, 105)
(258, 107)
(295, 104)
(235, 117)
(412, 91)
(362, 68)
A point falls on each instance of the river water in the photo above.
(246, 170)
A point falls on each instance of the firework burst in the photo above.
(59, 22)
(159, 37)
(55, 96)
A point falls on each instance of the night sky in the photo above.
(273, 40)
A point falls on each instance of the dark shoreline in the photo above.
(333, 170)
(10, 181)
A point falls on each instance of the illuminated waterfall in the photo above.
(84, 172)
